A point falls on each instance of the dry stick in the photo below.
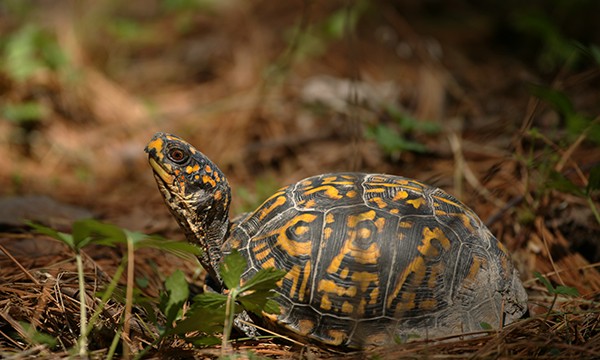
(27, 273)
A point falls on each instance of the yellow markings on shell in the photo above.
(379, 224)
(325, 302)
(301, 230)
(364, 279)
(310, 203)
(355, 219)
(364, 233)
(291, 247)
(293, 275)
(474, 269)
(218, 195)
(327, 233)
(367, 256)
(407, 302)
(416, 203)
(394, 211)
(269, 263)
(306, 276)
(330, 191)
(426, 248)
(376, 190)
(267, 210)
(416, 265)
(305, 326)
(338, 336)
(329, 218)
(379, 202)
(208, 180)
(347, 308)
(434, 271)
(362, 305)
(400, 195)
(330, 287)
(344, 273)
(428, 304)
(351, 194)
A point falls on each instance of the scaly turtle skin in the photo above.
(369, 257)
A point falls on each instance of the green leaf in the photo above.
(264, 280)
(177, 294)
(593, 180)
(485, 326)
(558, 181)
(67, 239)
(203, 341)
(232, 268)
(201, 319)
(181, 249)
(557, 99)
(24, 112)
(210, 300)
(566, 290)
(545, 282)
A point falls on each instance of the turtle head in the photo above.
(196, 192)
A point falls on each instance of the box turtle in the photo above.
(370, 258)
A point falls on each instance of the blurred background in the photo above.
(495, 102)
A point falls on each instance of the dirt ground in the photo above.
(479, 100)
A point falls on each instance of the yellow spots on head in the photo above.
(190, 169)
(207, 168)
(196, 177)
(267, 210)
(157, 145)
(208, 180)
(305, 326)
(416, 203)
(218, 195)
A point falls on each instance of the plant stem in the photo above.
(82, 307)
(594, 208)
(128, 296)
(229, 316)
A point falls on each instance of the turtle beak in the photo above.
(161, 172)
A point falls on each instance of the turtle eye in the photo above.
(177, 155)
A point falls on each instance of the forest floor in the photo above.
(456, 97)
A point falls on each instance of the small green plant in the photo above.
(213, 312)
(395, 137)
(555, 291)
(89, 231)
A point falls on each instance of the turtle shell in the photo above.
(372, 258)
